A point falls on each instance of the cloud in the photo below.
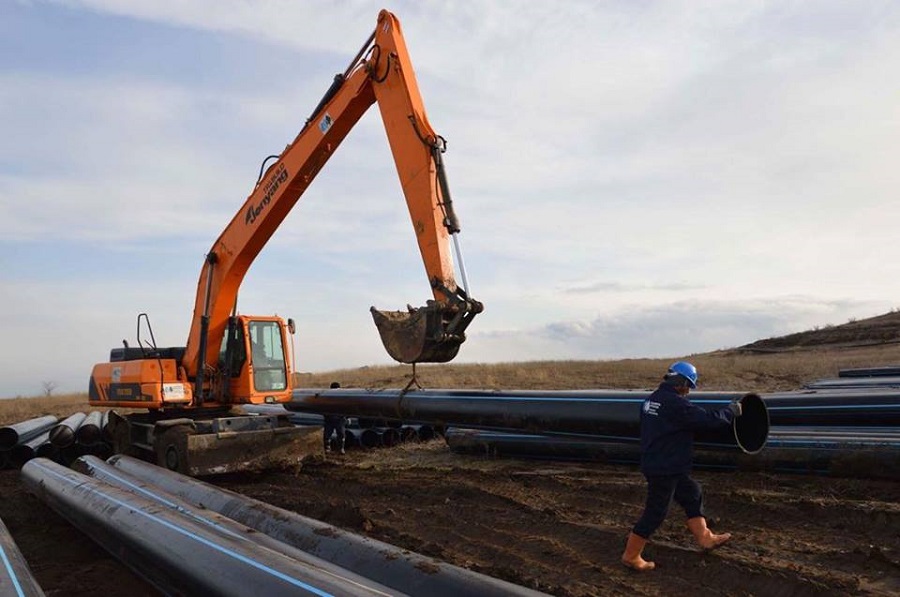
(665, 330)
(615, 167)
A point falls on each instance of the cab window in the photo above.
(267, 356)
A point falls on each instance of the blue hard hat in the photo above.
(685, 370)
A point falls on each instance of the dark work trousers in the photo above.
(334, 424)
(661, 489)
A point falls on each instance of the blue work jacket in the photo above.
(668, 423)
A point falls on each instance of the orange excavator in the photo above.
(231, 358)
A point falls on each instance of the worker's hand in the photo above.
(735, 408)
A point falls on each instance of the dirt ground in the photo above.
(554, 526)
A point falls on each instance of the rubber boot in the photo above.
(706, 538)
(632, 556)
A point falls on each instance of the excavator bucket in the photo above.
(417, 335)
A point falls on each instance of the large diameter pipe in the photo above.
(612, 415)
(389, 565)
(842, 407)
(24, 431)
(15, 576)
(176, 554)
(63, 434)
(853, 452)
(853, 382)
(90, 430)
(98, 469)
(24, 452)
(278, 410)
(870, 372)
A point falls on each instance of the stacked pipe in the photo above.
(19, 442)
(844, 432)
(15, 576)
(173, 530)
(364, 433)
(61, 441)
(175, 551)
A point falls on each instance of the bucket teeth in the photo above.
(417, 335)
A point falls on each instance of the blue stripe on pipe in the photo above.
(12, 573)
(202, 520)
(551, 399)
(258, 565)
(527, 399)
(842, 406)
(177, 507)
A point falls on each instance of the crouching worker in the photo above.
(335, 424)
(668, 423)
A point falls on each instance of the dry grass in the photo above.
(15, 410)
(725, 370)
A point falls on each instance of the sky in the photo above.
(633, 179)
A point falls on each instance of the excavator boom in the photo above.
(382, 72)
(231, 358)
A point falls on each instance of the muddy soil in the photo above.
(554, 526)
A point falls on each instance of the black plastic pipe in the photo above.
(176, 554)
(607, 414)
(105, 429)
(870, 372)
(854, 382)
(63, 434)
(390, 436)
(47, 450)
(370, 438)
(24, 431)
(98, 469)
(90, 430)
(409, 433)
(499, 443)
(853, 452)
(15, 576)
(835, 407)
(25, 451)
(392, 566)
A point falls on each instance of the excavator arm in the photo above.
(381, 73)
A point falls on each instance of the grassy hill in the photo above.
(874, 331)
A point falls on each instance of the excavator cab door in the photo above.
(267, 356)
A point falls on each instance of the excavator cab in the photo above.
(253, 359)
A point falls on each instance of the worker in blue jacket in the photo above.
(668, 423)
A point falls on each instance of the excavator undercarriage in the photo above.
(214, 442)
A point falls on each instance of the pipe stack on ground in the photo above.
(63, 435)
(607, 414)
(890, 371)
(848, 432)
(876, 406)
(25, 451)
(366, 433)
(172, 551)
(19, 432)
(847, 383)
(396, 568)
(98, 469)
(15, 576)
(16, 439)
